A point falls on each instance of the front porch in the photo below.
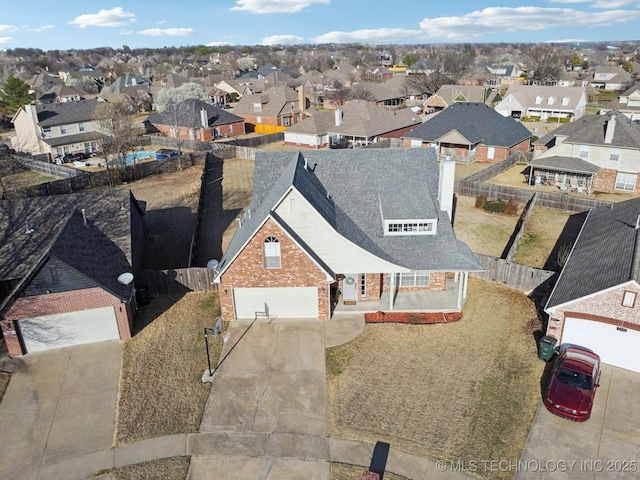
(450, 299)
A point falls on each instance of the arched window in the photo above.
(271, 253)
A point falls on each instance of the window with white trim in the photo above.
(363, 285)
(584, 151)
(272, 253)
(626, 181)
(46, 129)
(258, 119)
(410, 279)
(286, 121)
(565, 101)
(413, 227)
(629, 299)
(538, 100)
(63, 129)
(257, 107)
(81, 126)
(550, 100)
(614, 154)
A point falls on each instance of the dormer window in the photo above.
(550, 100)
(257, 107)
(410, 227)
(538, 100)
(565, 101)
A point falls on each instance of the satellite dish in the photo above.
(212, 264)
(125, 278)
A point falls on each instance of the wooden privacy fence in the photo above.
(514, 241)
(515, 275)
(177, 281)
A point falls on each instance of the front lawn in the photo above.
(467, 390)
(160, 391)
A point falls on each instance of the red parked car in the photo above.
(573, 384)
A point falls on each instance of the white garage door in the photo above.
(615, 346)
(65, 329)
(299, 302)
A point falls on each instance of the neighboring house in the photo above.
(272, 111)
(373, 223)
(356, 123)
(62, 261)
(61, 94)
(611, 78)
(57, 129)
(595, 301)
(422, 67)
(447, 95)
(469, 132)
(382, 95)
(627, 103)
(501, 74)
(133, 90)
(543, 102)
(194, 119)
(596, 153)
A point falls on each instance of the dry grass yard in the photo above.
(174, 468)
(467, 390)
(541, 233)
(5, 377)
(463, 170)
(486, 233)
(341, 471)
(237, 187)
(161, 392)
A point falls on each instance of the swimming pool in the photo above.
(133, 157)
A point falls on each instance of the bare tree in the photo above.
(120, 136)
(544, 62)
(339, 94)
(429, 83)
(361, 92)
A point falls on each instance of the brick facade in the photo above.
(605, 307)
(54, 303)
(202, 134)
(297, 270)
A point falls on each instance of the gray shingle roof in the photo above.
(567, 164)
(65, 113)
(187, 114)
(348, 187)
(603, 254)
(477, 122)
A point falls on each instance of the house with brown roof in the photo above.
(447, 95)
(356, 123)
(68, 266)
(273, 111)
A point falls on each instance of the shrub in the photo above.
(510, 208)
(495, 206)
(481, 201)
(556, 120)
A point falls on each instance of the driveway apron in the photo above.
(60, 405)
(266, 413)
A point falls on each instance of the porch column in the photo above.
(392, 287)
(462, 289)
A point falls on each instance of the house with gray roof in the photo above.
(595, 153)
(57, 129)
(595, 301)
(611, 78)
(370, 226)
(543, 102)
(62, 260)
(356, 123)
(468, 132)
(627, 103)
(193, 119)
(447, 95)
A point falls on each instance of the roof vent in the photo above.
(28, 229)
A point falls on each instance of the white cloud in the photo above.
(602, 3)
(5, 39)
(378, 35)
(161, 22)
(274, 6)
(8, 28)
(43, 28)
(282, 40)
(168, 32)
(116, 17)
(218, 44)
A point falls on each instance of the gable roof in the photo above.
(66, 112)
(187, 114)
(349, 189)
(526, 96)
(477, 122)
(274, 101)
(605, 253)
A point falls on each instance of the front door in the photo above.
(350, 289)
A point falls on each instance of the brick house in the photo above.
(468, 131)
(194, 119)
(62, 262)
(595, 153)
(594, 302)
(273, 110)
(371, 223)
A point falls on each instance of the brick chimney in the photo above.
(302, 100)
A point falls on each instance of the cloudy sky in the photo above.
(80, 24)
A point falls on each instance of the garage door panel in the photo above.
(615, 346)
(298, 302)
(70, 328)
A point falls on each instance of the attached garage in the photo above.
(294, 302)
(616, 345)
(71, 328)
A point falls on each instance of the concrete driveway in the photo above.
(60, 405)
(266, 413)
(606, 446)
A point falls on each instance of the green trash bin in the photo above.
(547, 347)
